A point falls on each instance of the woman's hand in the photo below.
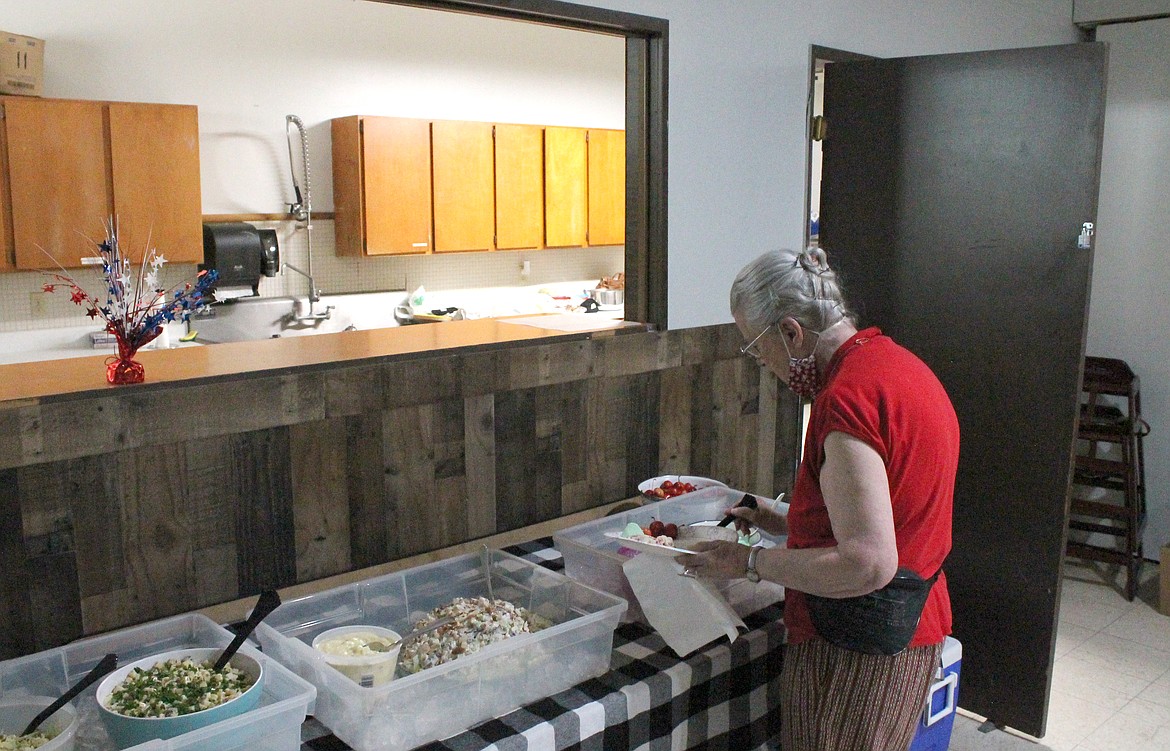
(716, 560)
(763, 517)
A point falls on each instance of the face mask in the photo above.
(804, 379)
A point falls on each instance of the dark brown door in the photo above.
(953, 192)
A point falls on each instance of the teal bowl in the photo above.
(130, 731)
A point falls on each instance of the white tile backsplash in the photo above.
(23, 306)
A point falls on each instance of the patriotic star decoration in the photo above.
(137, 304)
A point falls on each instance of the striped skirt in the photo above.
(838, 700)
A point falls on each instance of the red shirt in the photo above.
(879, 392)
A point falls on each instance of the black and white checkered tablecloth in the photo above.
(725, 696)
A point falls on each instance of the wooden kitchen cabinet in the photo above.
(565, 191)
(519, 186)
(72, 165)
(154, 164)
(381, 185)
(462, 165)
(607, 187)
(57, 177)
(7, 251)
(404, 186)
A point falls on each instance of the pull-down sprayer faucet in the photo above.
(314, 297)
(302, 211)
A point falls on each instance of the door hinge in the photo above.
(1085, 240)
(818, 128)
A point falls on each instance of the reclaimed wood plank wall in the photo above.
(129, 506)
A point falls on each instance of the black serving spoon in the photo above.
(269, 601)
(748, 501)
(107, 664)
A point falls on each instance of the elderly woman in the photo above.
(872, 498)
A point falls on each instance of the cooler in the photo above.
(938, 716)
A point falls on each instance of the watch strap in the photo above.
(752, 574)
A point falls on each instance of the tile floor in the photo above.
(1111, 680)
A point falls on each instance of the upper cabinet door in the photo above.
(396, 185)
(154, 162)
(57, 174)
(564, 187)
(7, 251)
(462, 160)
(348, 207)
(607, 187)
(519, 186)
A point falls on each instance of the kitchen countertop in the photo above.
(76, 375)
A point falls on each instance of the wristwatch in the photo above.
(753, 575)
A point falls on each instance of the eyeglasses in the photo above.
(750, 349)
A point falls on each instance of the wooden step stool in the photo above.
(1102, 422)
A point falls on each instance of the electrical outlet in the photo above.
(37, 304)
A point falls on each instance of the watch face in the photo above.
(753, 576)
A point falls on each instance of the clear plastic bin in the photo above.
(274, 725)
(594, 559)
(447, 699)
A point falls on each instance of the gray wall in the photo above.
(1129, 316)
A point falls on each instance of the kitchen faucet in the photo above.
(314, 297)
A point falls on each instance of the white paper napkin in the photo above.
(687, 612)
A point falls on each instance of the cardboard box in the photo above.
(1164, 575)
(22, 64)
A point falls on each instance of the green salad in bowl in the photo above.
(175, 692)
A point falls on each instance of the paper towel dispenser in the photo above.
(241, 254)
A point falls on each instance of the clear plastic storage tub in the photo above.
(593, 558)
(449, 698)
(274, 725)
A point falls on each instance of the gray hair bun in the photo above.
(790, 284)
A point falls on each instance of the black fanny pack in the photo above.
(880, 623)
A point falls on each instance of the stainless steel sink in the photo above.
(256, 318)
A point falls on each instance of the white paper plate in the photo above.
(646, 547)
(753, 539)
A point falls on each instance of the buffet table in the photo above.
(724, 696)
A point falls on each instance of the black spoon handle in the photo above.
(748, 501)
(269, 601)
(107, 664)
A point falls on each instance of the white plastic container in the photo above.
(594, 559)
(449, 698)
(60, 727)
(273, 725)
(366, 670)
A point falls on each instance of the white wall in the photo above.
(1129, 316)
